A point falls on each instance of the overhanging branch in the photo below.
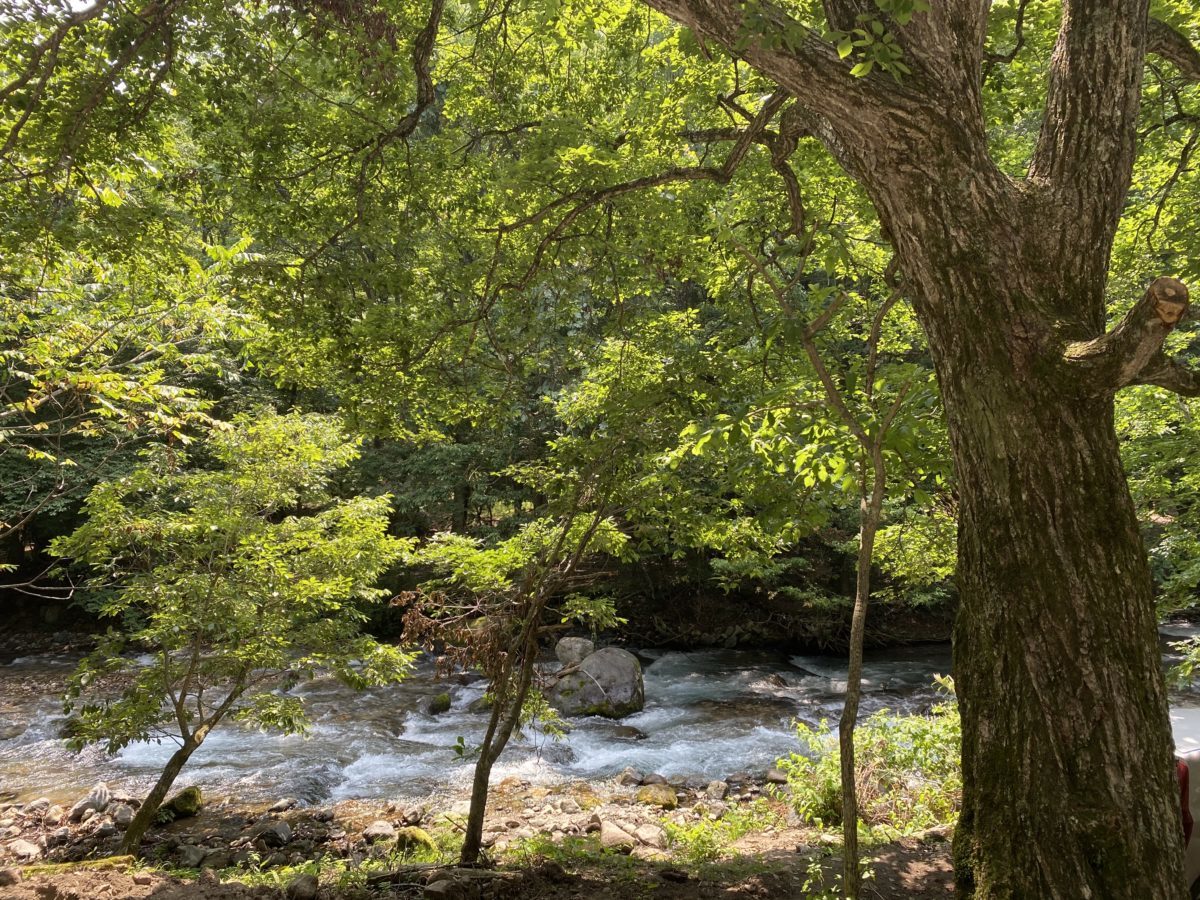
(1123, 355)
(1164, 41)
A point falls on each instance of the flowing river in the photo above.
(708, 713)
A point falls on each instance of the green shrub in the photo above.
(908, 771)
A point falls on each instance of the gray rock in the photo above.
(414, 815)
(776, 776)
(654, 778)
(379, 830)
(122, 814)
(190, 856)
(106, 830)
(716, 790)
(303, 888)
(9, 877)
(629, 733)
(59, 836)
(96, 801)
(607, 683)
(570, 805)
(11, 730)
(217, 859)
(273, 834)
(651, 836)
(614, 837)
(88, 815)
(36, 807)
(284, 805)
(322, 815)
(571, 651)
(54, 815)
(438, 704)
(26, 850)
(630, 776)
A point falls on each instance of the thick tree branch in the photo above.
(1123, 355)
(1173, 46)
(1085, 149)
(1164, 372)
(809, 69)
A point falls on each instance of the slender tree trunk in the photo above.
(870, 512)
(506, 713)
(149, 809)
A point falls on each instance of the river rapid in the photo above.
(708, 714)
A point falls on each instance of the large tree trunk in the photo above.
(1067, 752)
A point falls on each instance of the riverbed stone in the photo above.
(54, 815)
(9, 877)
(629, 733)
(630, 776)
(25, 850)
(379, 830)
(185, 804)
(95, 801)
(571, 651)
(607, 683)
(303, 888)
(11, 730)
(122, 814)
(651, 836)
(438, 704)
(413, 838)
(106, 829)
(654, 778)
(190, 856)
(37, 807)
(776, 776)
(716, 790)
(660, 795)
(273, 834)
(614, 837)
(283, 805)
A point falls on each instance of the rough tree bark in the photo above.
(1068, 784)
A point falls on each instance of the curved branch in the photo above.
(1165, 372)
(1175, 47)
(1123, 355)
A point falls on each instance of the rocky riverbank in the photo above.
(534, 832)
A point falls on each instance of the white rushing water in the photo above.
(708, 714)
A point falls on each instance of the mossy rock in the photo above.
(662, 795)
(183, 805)
(439, 703)
(414, 838)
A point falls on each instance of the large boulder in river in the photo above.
(571, 651)
(607, 683)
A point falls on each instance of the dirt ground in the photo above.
(908, 869)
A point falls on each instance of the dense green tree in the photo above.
(553, 164)
(237, 578)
